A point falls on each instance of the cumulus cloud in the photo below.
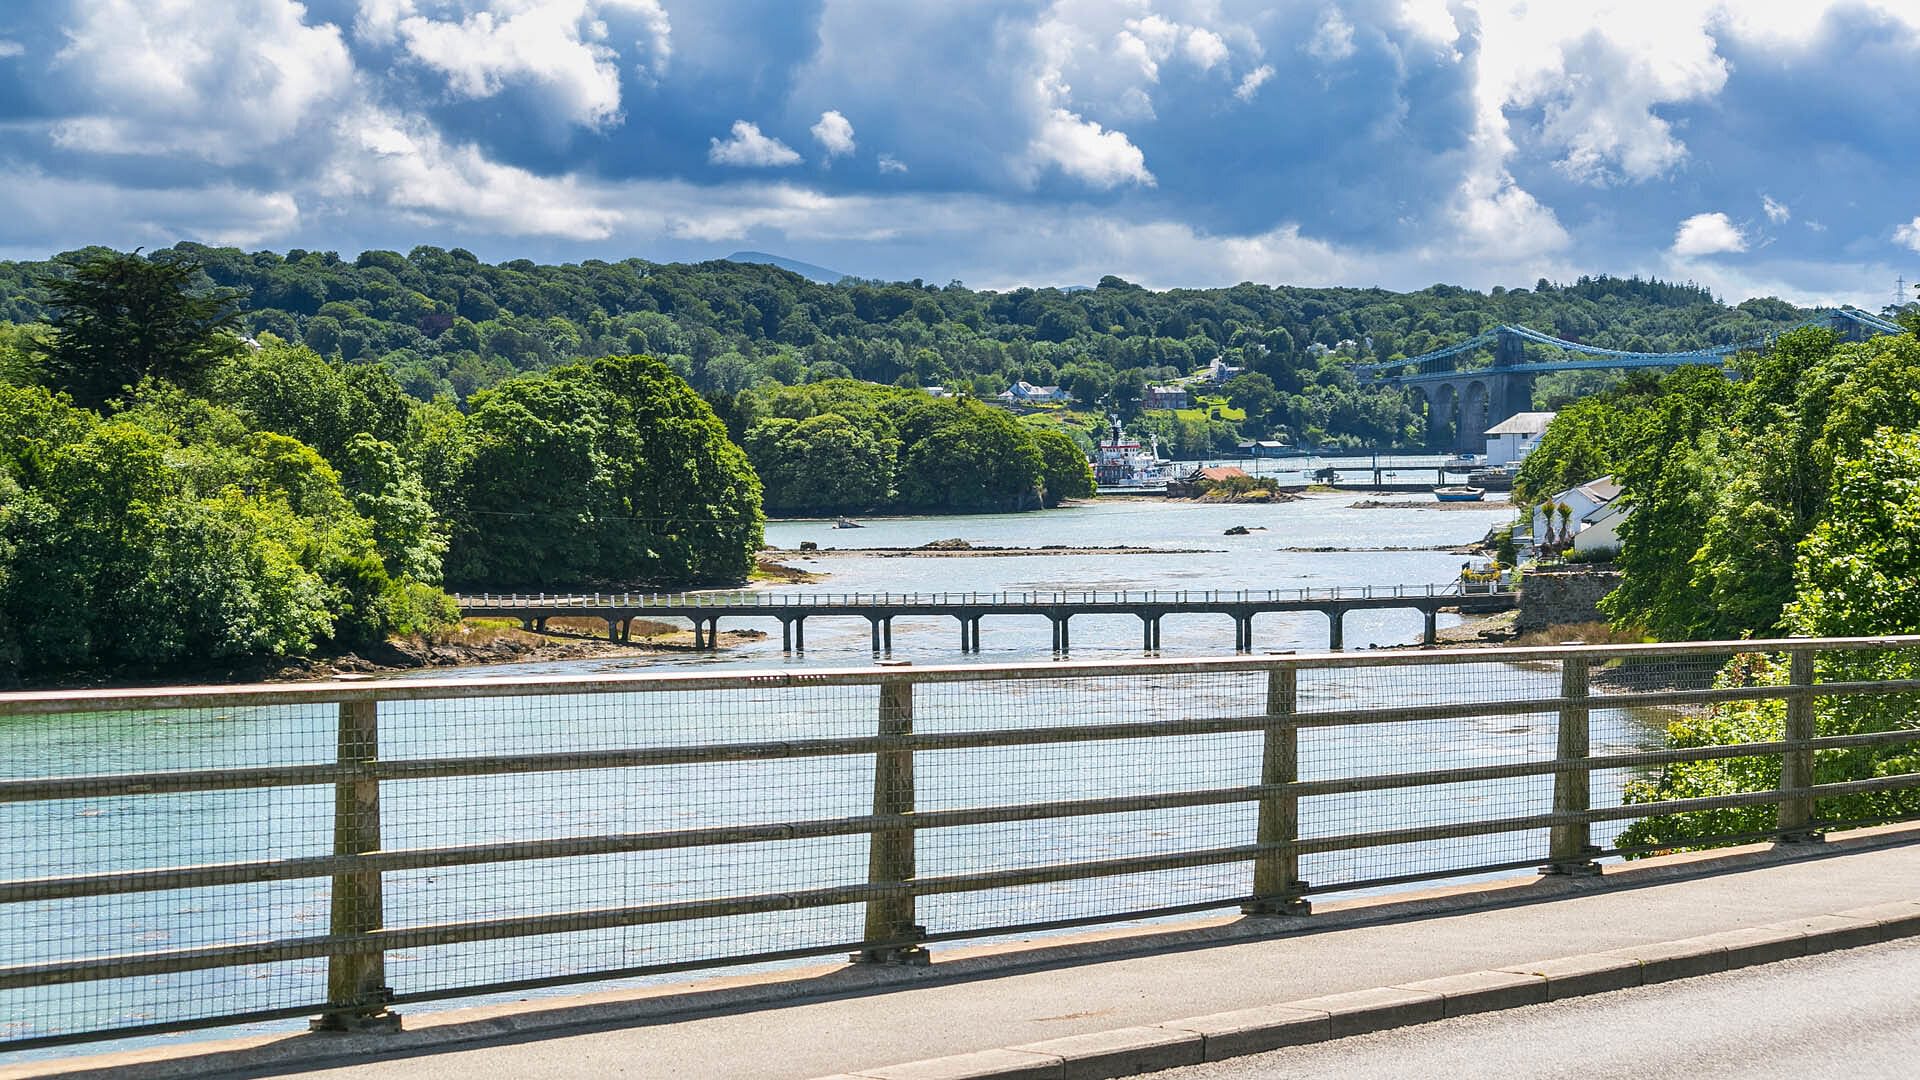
(1908, 234)
(890, 164)
(1251, 82)
(1776, 211)
(834, 133)
(1084, 150)
(11, 48)
(1708, 234)
(1332, 38)
(556, 46)
(748, 148)
(218, 83)
(1430, 19)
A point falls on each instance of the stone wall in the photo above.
(1562, 596)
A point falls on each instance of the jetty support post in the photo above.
(891, 936)
(1430, 631)
(357, 991)
(1277, 887)
(800, 633)
(1336, 628)
(1570, 848)
(1796, 765)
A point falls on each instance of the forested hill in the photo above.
(447, 323)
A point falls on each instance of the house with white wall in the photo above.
(1515, 437)
(1582, 502)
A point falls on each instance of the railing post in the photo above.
(1570, 846)
(890, 929)
(1796, 766)
(357, 993)
(1276, 877)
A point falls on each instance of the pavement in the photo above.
(1352, 966)
(1852, 1015)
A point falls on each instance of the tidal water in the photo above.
(139, 832)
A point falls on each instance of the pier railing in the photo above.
(205, 856)
(743, 598)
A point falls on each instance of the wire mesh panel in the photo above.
(1171, 762)
(100, 833)
(1499, 729)
(175, 863)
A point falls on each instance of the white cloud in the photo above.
(834, 133)
(1431, 20)
(1776, 211)
(748, 148)
(890, 164)
(1084, 150)
(1908, 234)
(1205, 48)
(1708, 234)
(217, 82)
(558, 46)
(43, 210)
(1250, 83)
(11, 48)
(402, 163)
(1332, 38)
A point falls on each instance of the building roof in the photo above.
(1526, 423)
(1217, 473)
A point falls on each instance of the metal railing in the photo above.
(1064, 598)
(204, 856)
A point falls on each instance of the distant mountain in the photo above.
(806, 270)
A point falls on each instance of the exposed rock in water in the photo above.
(954, 544)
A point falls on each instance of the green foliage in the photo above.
(185, 530)
(962, 456)
(1587, 440)
(120, 318)
(1858, 572)
(1064, 470)
(824, 463)
(1811, 488)
(611, 471)
(171, 535)
(447, 324)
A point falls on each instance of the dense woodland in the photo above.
(1781, 501)
(448, 326)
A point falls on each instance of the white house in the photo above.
(1218, 371)
(1515, 437)
(1584, 501)
(1025, 393)
(1600, 528)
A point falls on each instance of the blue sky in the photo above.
(1760, 148)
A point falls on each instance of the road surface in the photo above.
(1847, 1015)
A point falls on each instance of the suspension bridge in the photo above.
(1467, 401)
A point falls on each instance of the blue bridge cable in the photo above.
(1612, 357)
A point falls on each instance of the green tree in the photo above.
(120, 318)
(823, 463)
(1064, 470)
(611, 471)
(965, 456)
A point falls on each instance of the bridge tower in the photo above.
(1462, 408)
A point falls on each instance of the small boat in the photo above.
(847, 523)
(1459, 494)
